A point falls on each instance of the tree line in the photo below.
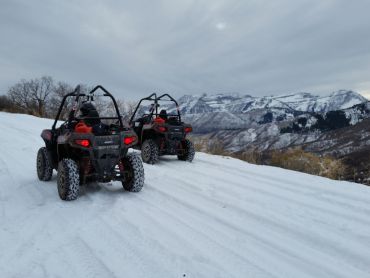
(42, 97)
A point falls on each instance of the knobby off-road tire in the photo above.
(189, 151)
(149, 152)
(133, 173)
(44, 165)
(68, 179)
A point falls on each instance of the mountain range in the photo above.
(234, 103)
(337, 125)
(210, 113)
(213, 113)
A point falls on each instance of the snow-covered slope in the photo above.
(215, 217)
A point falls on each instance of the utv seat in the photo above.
(173, 121)
(88, 110)
(159, 120)
(163, 115)
(81, 127)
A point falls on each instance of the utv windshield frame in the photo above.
(155, 101)
(90, 97)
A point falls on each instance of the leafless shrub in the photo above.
(6, 104)
(252, 156)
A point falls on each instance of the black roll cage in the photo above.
(90, 96)
(153, 97)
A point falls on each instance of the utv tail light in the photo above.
(83, 142)
(188, 129)
(129, 140)
(162, 129)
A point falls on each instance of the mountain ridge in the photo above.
(235, 103)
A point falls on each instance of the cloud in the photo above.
(137, 47)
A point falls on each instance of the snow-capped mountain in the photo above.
(218, 112)
(304, 102)
(244, 123)
(231, 111)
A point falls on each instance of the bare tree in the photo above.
(20, 96)
(130, 108)
(40, 91)
(31, 96)
(59, 91)
(112, 110)
(43, 97)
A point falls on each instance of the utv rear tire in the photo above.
(44, 165)
(149, 152)
(189, 151)
(68, 179)
(134, 173)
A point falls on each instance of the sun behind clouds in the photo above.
(220, 25)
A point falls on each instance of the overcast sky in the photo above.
(137, 47)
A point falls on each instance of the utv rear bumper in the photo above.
(98, 155)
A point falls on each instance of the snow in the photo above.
(215, 217)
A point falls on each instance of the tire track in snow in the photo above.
(92, 266)
(264, 256)
(271, 212)
(319, 205)
(285, 238)
(335, 246)
(234, 259)
(125, 243)
(198, 244)
(185, 185)
(307, 188)
(269, 189)
(252, 255)
(310, 185)
(5, 179)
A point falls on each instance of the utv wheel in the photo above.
(149, 152)
(44, 165)
(68, 179)
(189, 151)
(133, 173)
